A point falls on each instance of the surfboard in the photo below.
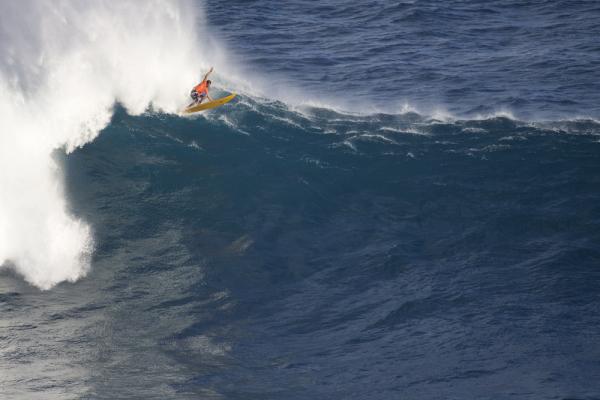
(210, 104)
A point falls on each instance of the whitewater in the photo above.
(64, 66)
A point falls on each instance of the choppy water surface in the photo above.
(535, 59)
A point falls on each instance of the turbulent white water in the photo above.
(63, 65)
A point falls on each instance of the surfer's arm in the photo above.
(208, 96)
(207, 74)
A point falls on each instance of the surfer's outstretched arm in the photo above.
(207, 74)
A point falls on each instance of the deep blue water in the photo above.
(266, 252)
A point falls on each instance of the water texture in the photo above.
(403, 202)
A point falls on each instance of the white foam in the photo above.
(492, 115)
(62, 67)
(377, 137)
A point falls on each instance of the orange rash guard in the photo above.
(202, 88)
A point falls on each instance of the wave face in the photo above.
(272, 249)
(269, 253)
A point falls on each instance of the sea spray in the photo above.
(63, 66)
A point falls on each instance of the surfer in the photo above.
(200, 91)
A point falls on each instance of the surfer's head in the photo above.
(208, 82)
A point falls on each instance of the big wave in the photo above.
(63, 68)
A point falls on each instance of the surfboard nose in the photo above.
(210, 104)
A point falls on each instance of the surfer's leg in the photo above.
(194, 96)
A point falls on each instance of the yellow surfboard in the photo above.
(210, 104)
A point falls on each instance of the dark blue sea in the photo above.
(408, 208)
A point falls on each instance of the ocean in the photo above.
(402, 202)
